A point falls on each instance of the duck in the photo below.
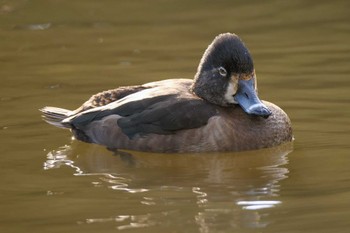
(218, 110)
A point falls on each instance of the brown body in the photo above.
(217, 111)
(231, 130)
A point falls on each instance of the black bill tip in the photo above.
(259, 109)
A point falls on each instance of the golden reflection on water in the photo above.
(238, 187)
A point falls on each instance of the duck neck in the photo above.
(207, 90)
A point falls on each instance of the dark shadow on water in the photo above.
(237, 190)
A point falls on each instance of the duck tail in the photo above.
(54, 116)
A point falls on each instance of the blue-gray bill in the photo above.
(248, 99)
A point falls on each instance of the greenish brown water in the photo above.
(60, 52)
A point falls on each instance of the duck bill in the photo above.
(248, 99)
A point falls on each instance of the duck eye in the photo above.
(222, 71)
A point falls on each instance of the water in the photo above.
(60, 52)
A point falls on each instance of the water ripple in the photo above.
(56, 159)
(257, 205)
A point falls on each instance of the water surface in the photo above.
(59, 53)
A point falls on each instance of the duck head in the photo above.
(226, 76)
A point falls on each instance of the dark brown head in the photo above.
(226, 76)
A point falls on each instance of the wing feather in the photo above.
(168, 117)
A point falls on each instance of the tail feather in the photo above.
(54, 116)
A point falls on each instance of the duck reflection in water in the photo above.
(215, 190)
